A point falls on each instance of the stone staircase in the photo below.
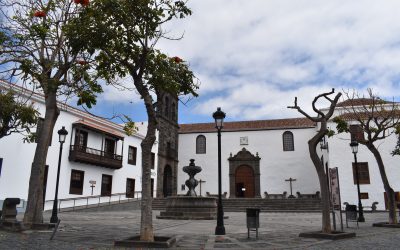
(266, 205)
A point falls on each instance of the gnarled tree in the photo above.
(123, 35)
(322, 119)
(377, 119)
(36, 52)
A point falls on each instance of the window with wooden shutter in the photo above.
(130, 188)
(76, 183)
(356, 132)
(363, 173)
(132, 154)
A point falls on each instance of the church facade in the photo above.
(260, 157)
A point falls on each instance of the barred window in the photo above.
(287, 139)
(201, 144)
(76, 183)
(363, 173)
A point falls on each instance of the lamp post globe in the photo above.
(354, 149)
(219, 116)
(62, 134)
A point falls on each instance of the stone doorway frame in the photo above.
(244, 157)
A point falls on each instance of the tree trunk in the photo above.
(146, 225)
(322, 176)
(34, 207)
(388, 189)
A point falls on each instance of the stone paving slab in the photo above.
(98, 230)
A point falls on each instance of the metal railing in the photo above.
(92, 151)
(94, 200)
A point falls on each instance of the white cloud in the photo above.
(254, 57)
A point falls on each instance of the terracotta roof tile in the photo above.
(248, 125)
(98, 127)
(350, 116)
(361, 102)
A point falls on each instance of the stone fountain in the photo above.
(190, 207)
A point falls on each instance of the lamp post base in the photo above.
(53, 219)
(220, 230)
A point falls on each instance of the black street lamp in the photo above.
(354, 149)
(62, 133)
(219, 121)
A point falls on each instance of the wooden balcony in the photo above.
(96, 157)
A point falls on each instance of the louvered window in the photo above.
(288, 142)
(201, 144)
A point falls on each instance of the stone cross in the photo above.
(291, 193)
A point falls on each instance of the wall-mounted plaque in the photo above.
(244, 140)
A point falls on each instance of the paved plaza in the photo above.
(98, 230)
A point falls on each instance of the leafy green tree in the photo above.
(378, 119)
(16, 116)
(322, 119)
(123, 34)
(36, 52)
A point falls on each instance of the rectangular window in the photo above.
(76, 184)
(356, 132)
(130, 188)
(363, 173)
(106, 185)
(81, 138)
(153, 160)
(109, 147)
(1, 164)
(132, 152)
(364, 196)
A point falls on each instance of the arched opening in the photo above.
(166, 110)
(167, 181)
(244, 182)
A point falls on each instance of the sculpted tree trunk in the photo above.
(388, 189)
(34, 208)
(312, 147)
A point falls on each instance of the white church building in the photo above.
(258, 157)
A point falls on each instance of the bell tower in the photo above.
(167, 114)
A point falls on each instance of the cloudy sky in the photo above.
(253, 57)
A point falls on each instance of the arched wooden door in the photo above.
(244, 182)
(167, 181)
